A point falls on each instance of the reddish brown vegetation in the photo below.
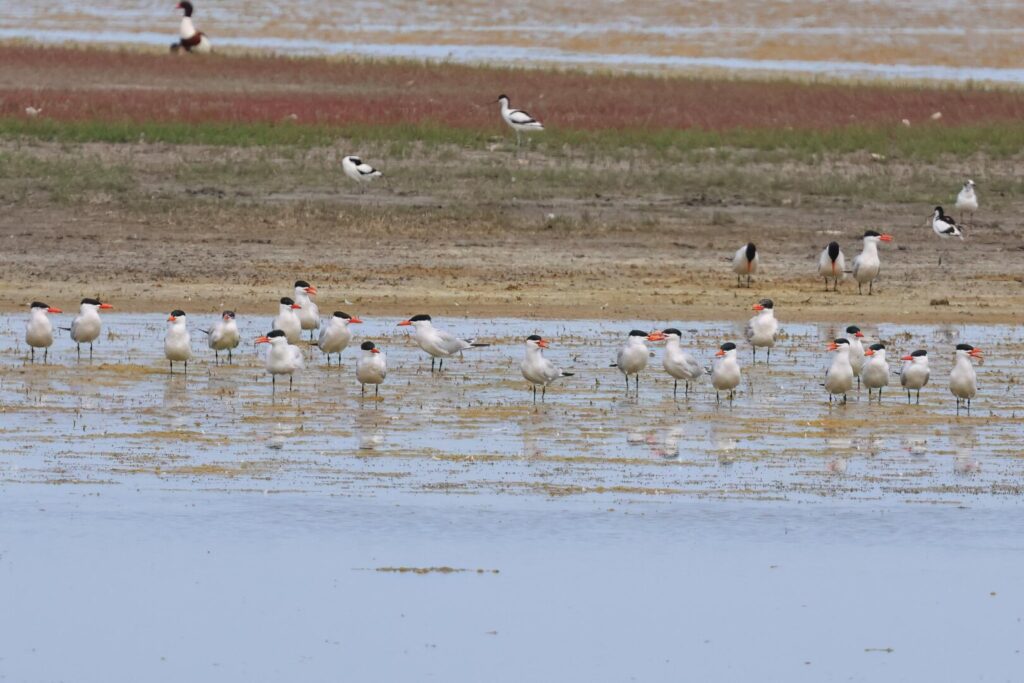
(74, 84)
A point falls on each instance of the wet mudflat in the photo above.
(204, 527)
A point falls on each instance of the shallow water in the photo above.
(203, 527)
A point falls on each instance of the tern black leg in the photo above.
(675, 388)
(969, 400)
(376, 390)
(273, 384)
(172, 366)
(362, 389)
(769, 356)
(718, 397)
(186, 367)
(918, 397)
(33, 357)
(46, 355)
(871, 288)
(627, 385)
(291, 378)
(543, 393)
(90, 350)
(229, 356)
(534, 393)
(958, 406)
(879, 395)
(687, 384)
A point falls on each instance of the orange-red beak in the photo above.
(263, 340)
(887, 238)
(859, 334)
(53, 310)
(758, 307)
(832, 346)
(311, 290)
(869, 352)
(907, 358)
(543, 343)
(976, 353)
(171, 319)
(296, 306)
(405, 323)
(106, 307)
(719, 352)
(354, 320)
(374, 350)
(656, 336)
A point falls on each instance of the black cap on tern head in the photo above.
(833, 250)
(287, 301)
(177, 313)
(767, 303)
(727, 346)
(841, 340)
(275, 333)
(853, 329)
(534, 337)
(38, 304)
(872, 233)
(751, 251)
(301, 283)
(367, 346)
(964, 347)
(638, 333)
(341, 314)
(93, 302)
(877, 347)
(229, 314)
(417, 318)
(672, 330)
(919, 353)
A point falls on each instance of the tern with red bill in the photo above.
(963, 381)
(537, 369)
(745, 263)
(287, 320)
(725, 372)
(224, 336)
(867, 264)
(633, 355)
(679, 364)
(335, 335)
(178, 342)
(832, 265)
(39, 330)
(86, 327)
(283, 358)
(839, 377)
(307, 311)
(915, 373)
(763, 329)
(372, 367)
(875, 372)
(854, 336)
(437, 343)
(190, 40)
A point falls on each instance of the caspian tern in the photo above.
(283, 358)
(178, 342)
(745, 262)
(867, 264)
(831, 265)
(945, 227)
(763, 328)
(915, 373)
(86, 326)
(191, 40)
(224, 336)
(438, 343)
(725, 372)
(839, 377)
(518, 120)
(335, 335)
(963, 381)
(372, 367)
(854, 336)
(39, 330)
(875, 372)
(967, 200)
(287, 320)
(308, 312)
(537, 369)
(359, 171)
(678, 363)
(633, 355)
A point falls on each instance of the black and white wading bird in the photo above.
(372, 367)
(518, 120)
(831, 265)
(335, 335)
(86, 327)
(763, 329)
(190, 40)
(437, 343)
(178, 341)
(359, 171)
(223, 336)
(866, 264)
(39, 330)
(914, 374)
(745, 262)
(538, 370)
(283, 358)
(963, 381)
(967, 200)
(945, 227)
